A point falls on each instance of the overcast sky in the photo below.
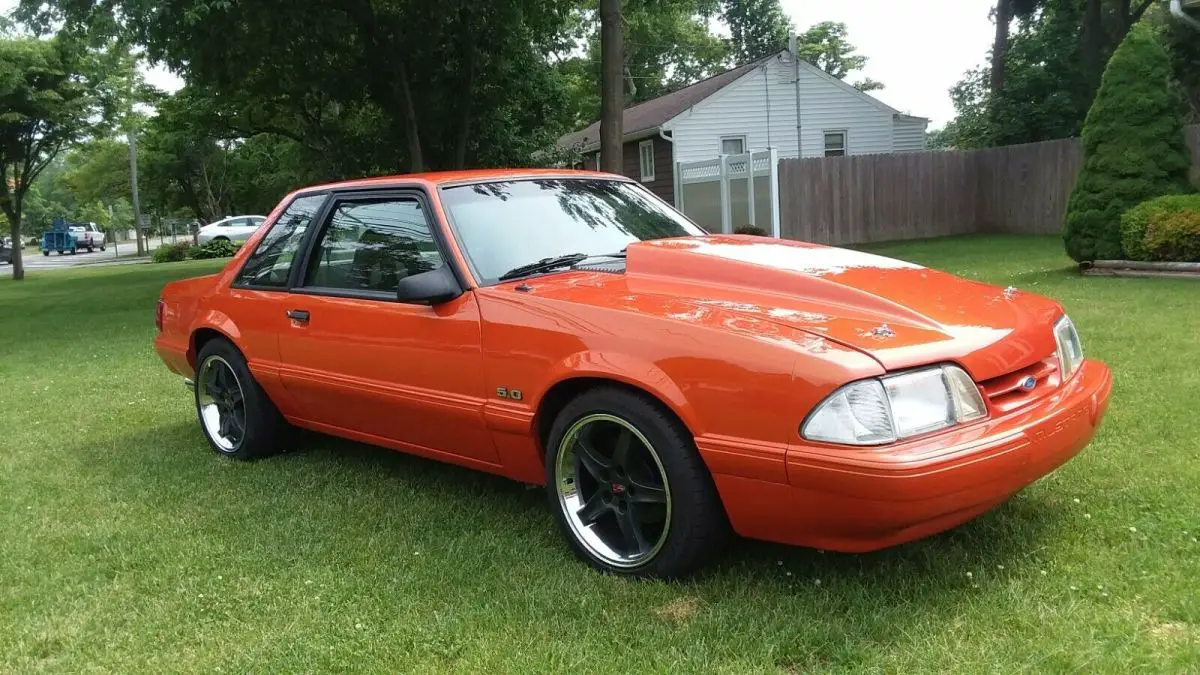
(917, 48)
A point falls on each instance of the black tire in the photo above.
(265, 432)
(46, 253)
(697, 527)
(91, 250)
(102, 247)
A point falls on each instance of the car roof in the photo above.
(441, 178)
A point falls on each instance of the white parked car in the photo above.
(89, 236)
(236, 228)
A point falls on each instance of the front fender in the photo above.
(626, 369)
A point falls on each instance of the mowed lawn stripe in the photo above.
(127, 546)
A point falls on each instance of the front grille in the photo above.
(1006, 392)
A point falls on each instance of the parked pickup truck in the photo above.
(89, 236)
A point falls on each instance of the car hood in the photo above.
(899, 313)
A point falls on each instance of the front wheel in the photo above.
(237, 417)
(629, 489)
(46, 253)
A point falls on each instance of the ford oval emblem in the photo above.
(1029, 383)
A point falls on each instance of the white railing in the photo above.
(725, 168)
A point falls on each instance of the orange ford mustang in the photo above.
(667, 387)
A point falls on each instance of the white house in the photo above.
(767, 104)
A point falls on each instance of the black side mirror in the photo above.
(435, 287)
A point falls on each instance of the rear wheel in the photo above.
(46, 253)
(628, 488)
(237, 417)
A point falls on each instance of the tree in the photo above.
(826, 46)
(1003, 15)
(1183, 44)
(757, 28)
(48, 100)
(611, 80)
(318, 73)
(1133, 147)
(1043, 76)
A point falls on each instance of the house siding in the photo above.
(762, 106)
(909, 134)
(663, 184)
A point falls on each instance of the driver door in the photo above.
(360, 363)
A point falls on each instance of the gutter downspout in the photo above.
(794, 48)
(676, 186)
(1177, 10)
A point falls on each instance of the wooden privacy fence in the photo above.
(1018, 189)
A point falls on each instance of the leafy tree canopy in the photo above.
(52, 94)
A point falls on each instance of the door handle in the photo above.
(300, 315)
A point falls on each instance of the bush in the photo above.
(1133, 147)
(34, 241)
(1176, 236)
(170, 253)
(1149, 216)
(218, 248)
(751, 229)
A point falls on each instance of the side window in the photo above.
(372, 245)
(271, 262)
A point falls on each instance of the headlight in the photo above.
(1070, 349)
(888, 409)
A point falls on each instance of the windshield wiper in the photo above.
(554, 263)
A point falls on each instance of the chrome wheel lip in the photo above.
(206, 404)
(570, 501)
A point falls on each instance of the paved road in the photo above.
(34, 260)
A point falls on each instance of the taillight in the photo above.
(158, 315)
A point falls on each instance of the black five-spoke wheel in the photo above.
(221, 403)
(613, 490)
(629, 489)
(237, 416)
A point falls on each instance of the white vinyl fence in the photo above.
(731, 191)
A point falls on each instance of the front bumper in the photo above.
(857, 500)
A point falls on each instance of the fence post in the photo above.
(679, 186)
(750, 188)
(773, 187)
(726, 218)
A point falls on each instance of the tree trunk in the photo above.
(18, 261)
(1000, 45)
(611, 78)
(416, 162)
(1093, 40)
(469, 59)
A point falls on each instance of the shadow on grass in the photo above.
(320, 465)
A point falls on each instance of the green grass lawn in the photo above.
(128, 546)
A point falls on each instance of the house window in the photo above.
(835, 144)
(733, 145)
(646, 154)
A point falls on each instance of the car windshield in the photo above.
(508, 224)
(77, 228)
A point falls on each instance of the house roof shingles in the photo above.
(652, 114)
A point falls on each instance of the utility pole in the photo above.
(133, 180)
